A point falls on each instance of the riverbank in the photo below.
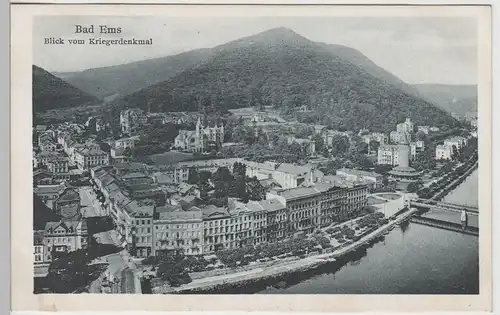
(454, 184)
(280, 269)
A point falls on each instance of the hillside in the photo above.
(50, 92)
(357, 58)
(127, 78)
(458, 99)
(281, 68)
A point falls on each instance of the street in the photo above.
(92, 208)
(119, 266)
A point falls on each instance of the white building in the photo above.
(424, 129)
(388, 154)
(406, 126)
(199, 140)
(443, 152)
(287, 175)
(458, 142)
(87, 158)
(358, 175)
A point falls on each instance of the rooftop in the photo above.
(359, 172)
(213, 212)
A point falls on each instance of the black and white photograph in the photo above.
(273, 155)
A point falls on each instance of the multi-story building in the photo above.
(277, 219)
(287, 175)
(406, 126)
(139, 233)
(388, 154)
(63, 237)
(47, 145)
(38, 248)
(131, 120)
(181, 170)
(458, 142)
(87, 158)
(416, 148)
(424, 129)
(381, 138)
(443, 152)
(59, 167)
(375, 179)
(49, 193)
(42, 158)
(178, 231)
(201, 139)
(303, 208)
(218, 229)
(124, 143)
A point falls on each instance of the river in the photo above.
(414, 259)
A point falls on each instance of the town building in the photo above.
(49, 193)
(132, 120)
(405, 127)
(388, 154)
(178, 231)
(375, 179)
(63, 237)
(38, 248)
(89, 157)
(286, 175)
(381, 138)
(416, 148)
(443, 152)
(202, 139)
(458, 142)
(58, 167)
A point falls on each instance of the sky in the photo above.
(417, 50)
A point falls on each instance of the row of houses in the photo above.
(187, 225)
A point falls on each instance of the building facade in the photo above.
(443, 152)
(388, 154)
(63, 237)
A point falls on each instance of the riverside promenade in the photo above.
(281, 268)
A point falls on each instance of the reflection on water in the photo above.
(413, 259)
(466, 193)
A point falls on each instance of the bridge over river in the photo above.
(447, 212)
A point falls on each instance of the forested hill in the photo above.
(458, 99)
(281, 68)
(127, 78)
(50, 92)
(357, 58)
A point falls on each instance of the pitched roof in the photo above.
(213, 212)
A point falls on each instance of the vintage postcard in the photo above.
(305, 158)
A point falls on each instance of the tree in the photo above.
(454, 155)
(421, 136)
(385, 181)
(340, 145)
(414, 186)
(127, 153)
(318, 142)
(373, 146)
(193, 176)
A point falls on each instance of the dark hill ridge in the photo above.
(458, 99)
(50, 92)
(131, 77)
(281, 68)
